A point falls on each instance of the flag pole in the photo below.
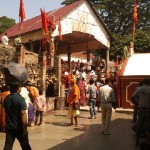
(133, 32)
(19, 27)
(133, 27)
(132, 41)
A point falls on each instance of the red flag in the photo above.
(22, 11)
(134, 16)
(59, 28)
(135, 11)
(44, 22)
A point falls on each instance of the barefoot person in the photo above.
(73, 100)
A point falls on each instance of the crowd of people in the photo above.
(84, 87)
(83, 73)
(21, 106)
(82, 93)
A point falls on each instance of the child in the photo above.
(40, 106)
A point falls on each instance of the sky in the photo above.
(10, 8)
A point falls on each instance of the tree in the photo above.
(6, 23)
(117, 15)
(67, 2)
(142, 41)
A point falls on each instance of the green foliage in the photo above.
(117, 15)
(67, 2)
(142, 41)
(119, 44)
(6, 23)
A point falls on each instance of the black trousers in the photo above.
(10, 138)
(39, 113)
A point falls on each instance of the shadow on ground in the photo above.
(91, 138)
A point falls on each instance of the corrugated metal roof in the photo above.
(35, 23)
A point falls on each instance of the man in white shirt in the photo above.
(106, 97)
(5, 39)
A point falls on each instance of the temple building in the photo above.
(82, 30)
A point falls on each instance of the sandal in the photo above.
(90, 118)
(70, 124)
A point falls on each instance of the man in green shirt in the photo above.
(16, 118)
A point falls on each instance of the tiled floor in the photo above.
(55, 134)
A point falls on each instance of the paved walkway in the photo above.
(55, 134)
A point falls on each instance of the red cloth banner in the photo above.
(44, 22)
(22, 11)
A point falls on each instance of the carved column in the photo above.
(107, 61)
(88, 55)
(22, 58)
(44, 62)
(69, 57)
(20, 54)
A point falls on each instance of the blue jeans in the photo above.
(92, 104)
(10, 138)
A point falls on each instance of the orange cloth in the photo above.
(74, 95)
(2, 118)
(34, 92)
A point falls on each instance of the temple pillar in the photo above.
(43, 83)
(107, 61)
(20, 55)
(59, 73)
(88, 55)
(69, 58)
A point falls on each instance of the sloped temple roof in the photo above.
(35, 23)
(137, 64)
(82, 28)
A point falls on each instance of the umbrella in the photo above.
(18, 71)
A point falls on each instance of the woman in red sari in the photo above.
(82, 87)
(73, 97)
(4, 92)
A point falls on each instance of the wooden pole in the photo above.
(88, 55)
(132, 42)
(69, 57)
(107, 61)
(44, 72)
